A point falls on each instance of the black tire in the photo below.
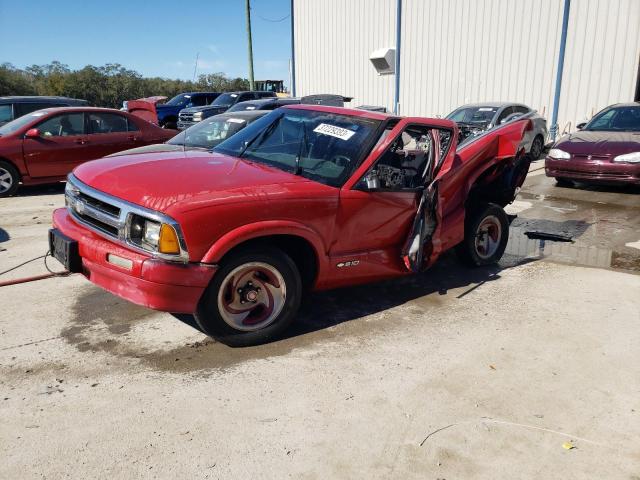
(469, 251)
(537, 147)
(9, 179)
(563, 182)
(212, 321)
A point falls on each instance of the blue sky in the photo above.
(156, 38)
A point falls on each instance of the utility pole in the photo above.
(195, 69)
(248, 8)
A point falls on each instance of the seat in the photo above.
(625, 120)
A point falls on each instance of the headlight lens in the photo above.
(197, 116)
(633, 157)
(153, 236)
(559, 154)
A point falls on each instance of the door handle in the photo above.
(132, 137)
(81, 141)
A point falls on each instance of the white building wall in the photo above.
(333, 42)
(465, 51)
(601, 58)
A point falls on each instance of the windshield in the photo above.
(324, 147)
(210, 132)
(616, 119)
(473, 114)
(179, 100)
(20, 122)
(225, 99)
(242, 106)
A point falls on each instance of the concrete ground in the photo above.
(454, 373)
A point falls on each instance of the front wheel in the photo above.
(9, 179)
(252, 299)
(486, 233)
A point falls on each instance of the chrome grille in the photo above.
(186, 116)
(588, 158)
(110, 216)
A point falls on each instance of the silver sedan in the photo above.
(474, 119)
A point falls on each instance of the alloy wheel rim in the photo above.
(6, 180)
(488, 237)
(251, 296)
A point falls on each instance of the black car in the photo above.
(191, 116)
(14, 107)
(264, 104)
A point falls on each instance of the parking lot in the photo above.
(526, 370)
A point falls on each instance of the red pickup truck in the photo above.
(307, 197)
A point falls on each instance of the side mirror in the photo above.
(32, 133)
(372, 180)
(580, 126)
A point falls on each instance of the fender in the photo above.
(504, 146)
(264, 229)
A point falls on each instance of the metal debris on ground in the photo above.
(554, 237)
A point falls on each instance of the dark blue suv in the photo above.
(168, 112)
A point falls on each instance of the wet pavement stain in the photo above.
(96, 308)
(599, 230)
(321, 312)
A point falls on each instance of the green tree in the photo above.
(104, 86)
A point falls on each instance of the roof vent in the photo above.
(384, 60)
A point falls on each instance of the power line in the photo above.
(273, 21)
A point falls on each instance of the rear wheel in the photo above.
(252, 299)
(537, 146)
(9, 179)
(486, 234)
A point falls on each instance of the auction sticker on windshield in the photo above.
(333, 131)
(235, 120)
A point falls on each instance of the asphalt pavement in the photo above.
(528, 369)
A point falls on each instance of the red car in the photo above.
(44, 146)
(307, 197)
(606, 150)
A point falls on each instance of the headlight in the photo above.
(197, 116)
(70, 190)
(153, 236)
(559, 154)
(633, 157)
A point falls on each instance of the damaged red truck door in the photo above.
(307, 197)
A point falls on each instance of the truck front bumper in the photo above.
(153, 283)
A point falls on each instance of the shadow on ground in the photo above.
(36, 190)
(102, 322)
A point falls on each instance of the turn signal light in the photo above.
(168, 242)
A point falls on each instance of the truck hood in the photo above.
(184, 180)
(206, 108)
(600, 143)
(155, 148)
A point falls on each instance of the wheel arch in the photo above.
(301, 243)
(21, 171)
(498, 183)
